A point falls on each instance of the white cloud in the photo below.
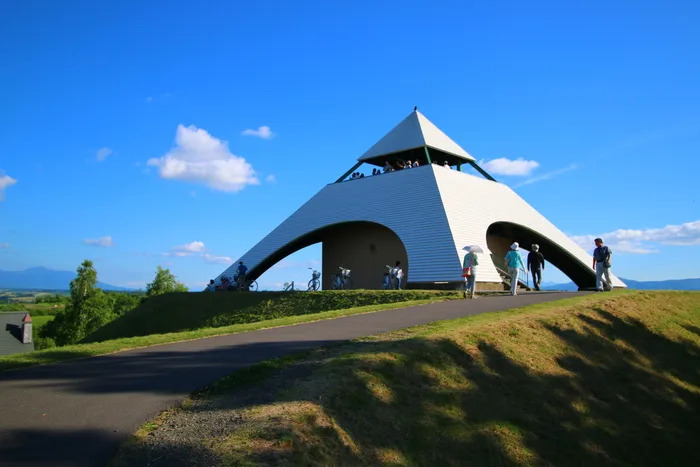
(201, 158)
(198, 248)
(102, 153)
(547, 175)
(102, 241)
(503, 166)
(4, 245)
(263, 132)
(187, 249)
(217, 259)
(5, 182)
(271, 179)
(643, 241)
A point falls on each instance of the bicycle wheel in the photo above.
(336, 282)
(253, 286)
(313, 285)
(347, 283)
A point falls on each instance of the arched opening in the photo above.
(363, 247)
(292, 269)
(500, 235)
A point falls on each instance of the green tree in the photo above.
(125, 301)
(89, 309)
(164, 282)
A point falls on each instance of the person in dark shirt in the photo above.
(535, 263)
(601, 266)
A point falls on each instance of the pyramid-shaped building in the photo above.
(423, 216)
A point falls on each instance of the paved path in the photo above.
(77, 413)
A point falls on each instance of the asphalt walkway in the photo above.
(77, 413)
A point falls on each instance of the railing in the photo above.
(502, 268)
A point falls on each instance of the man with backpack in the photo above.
(601, 265)
(397, 275)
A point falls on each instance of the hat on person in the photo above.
(535, 247)
(514, 246)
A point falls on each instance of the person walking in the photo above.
(514, 263)
(469, 266)
(601, 266)
(398, 275)
(535, 263)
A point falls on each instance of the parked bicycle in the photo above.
(288, 287)
(341, 279)
(315, 282)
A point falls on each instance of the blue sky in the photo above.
(592, 109)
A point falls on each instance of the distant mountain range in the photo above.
(672, 284)
(43, 279)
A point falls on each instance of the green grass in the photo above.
(604, 379)
(59, 354)
(41, 320)
(179, 312)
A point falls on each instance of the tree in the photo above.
(124, 302)
(164, 282)
(89, 309)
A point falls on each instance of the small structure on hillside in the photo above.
(418, 207)
(15, 333)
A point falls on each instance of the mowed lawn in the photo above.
(39, 321)
(184, 316)
(607, 379)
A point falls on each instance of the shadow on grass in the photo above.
(621, 395)
(694, 329)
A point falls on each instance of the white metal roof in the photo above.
(415, 131)
(451, 209)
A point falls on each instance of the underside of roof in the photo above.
(415, 132)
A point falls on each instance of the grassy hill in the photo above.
(178, 312)
(604, 379)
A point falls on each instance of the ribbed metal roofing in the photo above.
(442, 210)
(415, 131)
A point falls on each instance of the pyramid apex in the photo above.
(414, 135)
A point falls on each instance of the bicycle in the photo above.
(341, 279)
(243, 284)
(387, 279)
(314, 283)
(288, 287)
